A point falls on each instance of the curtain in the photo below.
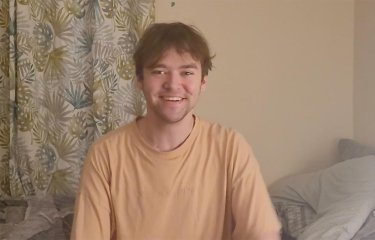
(66, 78)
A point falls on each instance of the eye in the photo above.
(187, 73)
(158, 72)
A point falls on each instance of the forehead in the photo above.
(173, 57)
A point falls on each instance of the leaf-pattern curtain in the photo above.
(66, 78)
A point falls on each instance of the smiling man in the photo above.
(171, 87)
(169, 174)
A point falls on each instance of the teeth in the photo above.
(173, 98)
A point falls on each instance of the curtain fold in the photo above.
(67, 77)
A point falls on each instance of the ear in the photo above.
(204, 83)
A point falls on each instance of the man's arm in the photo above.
(92, 217)
(254, 216)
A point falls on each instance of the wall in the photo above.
(364, 72)
(283, 75)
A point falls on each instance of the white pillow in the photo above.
(345, 198)
(342, 196)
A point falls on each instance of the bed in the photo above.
(335, 203)
(36, 218)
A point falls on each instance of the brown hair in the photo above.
(160, 37)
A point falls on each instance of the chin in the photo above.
(176, 118)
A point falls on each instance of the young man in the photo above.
(170, 175)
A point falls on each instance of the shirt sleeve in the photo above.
(252, 210)
(92, 217)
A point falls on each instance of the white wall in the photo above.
(364, 72)
(283, 75)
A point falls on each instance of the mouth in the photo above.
(172, 98)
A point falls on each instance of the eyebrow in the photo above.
(191, 65)
(160, 65)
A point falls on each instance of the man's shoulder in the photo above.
(117, 134)
(224, 138)
(218, 129)
(220, 135)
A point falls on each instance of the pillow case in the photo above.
(342, 196)
(294, 217)
(349, 148)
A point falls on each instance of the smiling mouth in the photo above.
(173, 99)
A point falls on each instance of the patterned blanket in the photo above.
(36, 218)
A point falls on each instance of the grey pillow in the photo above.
(294, 217)
(349, 148)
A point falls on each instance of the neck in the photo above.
(165, 137)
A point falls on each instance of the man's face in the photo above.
(172, 86)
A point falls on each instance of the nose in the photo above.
(172, 81)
